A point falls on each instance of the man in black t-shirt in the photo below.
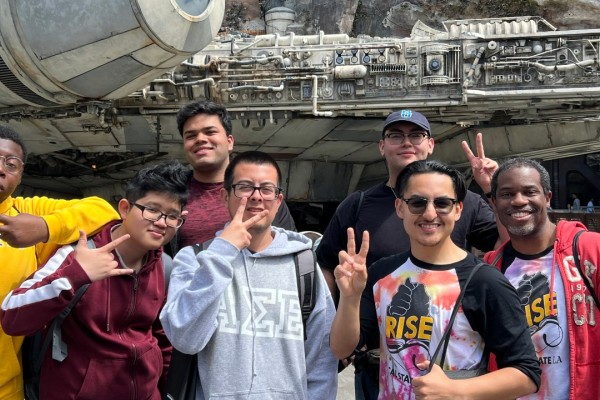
(403, 305)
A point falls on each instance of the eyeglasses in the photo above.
(12, 164)
(418, 205)
(414, 138)
(152, 214)
(267, 192)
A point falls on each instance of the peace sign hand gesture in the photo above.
(99, 263)
(351, 273)
(483, 168)
(237, 231)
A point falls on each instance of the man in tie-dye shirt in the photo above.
(408, 298)
(538, 260)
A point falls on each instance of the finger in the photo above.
(4, 218)
(364, 246)
(467, 150)
(115, 243)
(341, 270)
(120, 271)
(82, 242)
(479, 143)
(252, 221)
(239, 214)
(423, 365)
(351, 242)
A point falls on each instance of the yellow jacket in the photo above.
(64, 219)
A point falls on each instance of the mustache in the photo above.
(526, 209)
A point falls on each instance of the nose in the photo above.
(519, 199)
(430, 213)
(256, 196)
(162, 221)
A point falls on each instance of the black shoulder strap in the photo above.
(59, 348)
(584, 277)
(358, 207)
(446, 336)
(198, 247)
(305, 264)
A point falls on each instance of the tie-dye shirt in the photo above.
(406, 307)
(546, 314)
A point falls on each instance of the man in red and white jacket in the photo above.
(561, 309)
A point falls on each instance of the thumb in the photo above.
(82, 242)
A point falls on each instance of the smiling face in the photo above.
(521, 202)
(9, 181)
(145, 234)
(206, 144)
(430, 228)
(254, 175)
(398, 156)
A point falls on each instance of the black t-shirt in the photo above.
(407, 303)
(476, 226)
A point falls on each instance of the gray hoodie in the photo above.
(240, 311)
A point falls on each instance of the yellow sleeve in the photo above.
(65, 218)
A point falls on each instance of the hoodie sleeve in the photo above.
(321, 364)
(197, 284)
(44, 295)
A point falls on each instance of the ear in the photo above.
(224, 195)
(399, 211)
(430, 146)
(230, 141)
(459, 208)
(382, 148)
(548, 198)
(124, 207)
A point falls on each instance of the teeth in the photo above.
(429, 226)
(520, 214)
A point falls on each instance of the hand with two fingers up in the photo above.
(483, 168)
(351, 272)
(99, 263)
(237, 231)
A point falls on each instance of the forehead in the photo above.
(404, 126)
(161, 200)
(430, 183)
(203, 121)
(10, 148)
(520, 176)
(258, 173)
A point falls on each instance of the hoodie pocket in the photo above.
(106, 379)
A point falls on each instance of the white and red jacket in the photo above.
(584, 322)
(116, 345)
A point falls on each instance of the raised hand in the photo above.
(99, 263)
(23, 230)
(351, 272)
(237, 231)
(434, 385)
(483, 168)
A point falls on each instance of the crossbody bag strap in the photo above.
(578, 265)
(446, 336)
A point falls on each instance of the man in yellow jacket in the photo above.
(31, 229)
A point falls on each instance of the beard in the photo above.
(523, 230)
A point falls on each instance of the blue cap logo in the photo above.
(406, 114)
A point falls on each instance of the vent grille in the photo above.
(9, 80)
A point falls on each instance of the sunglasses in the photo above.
(418, 205)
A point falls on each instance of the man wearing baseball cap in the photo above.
(406, 137)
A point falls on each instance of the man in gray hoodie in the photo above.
(236, 303)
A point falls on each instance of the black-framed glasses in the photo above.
(152, 214)
(418, 205)
(415, 138)
(12, 165)
(267, 192)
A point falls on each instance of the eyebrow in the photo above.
(249, 182)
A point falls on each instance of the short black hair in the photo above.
(204, 107)
(428, 167)
(522, 162)
(250, 157)
(8, 133)
(169, 177)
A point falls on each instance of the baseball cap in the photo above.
(409, 116)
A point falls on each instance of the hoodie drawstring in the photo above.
(552, 274)
(108, 304)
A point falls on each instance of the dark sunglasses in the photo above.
(418, 205)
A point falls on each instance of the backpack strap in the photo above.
(446, 336)
(577, 262)
(59, 348)
(361, 198)
(305, 264)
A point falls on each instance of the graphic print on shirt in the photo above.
(413, 306)
(263, 312)
(408, 329)
(545, 311)
(540, 309)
